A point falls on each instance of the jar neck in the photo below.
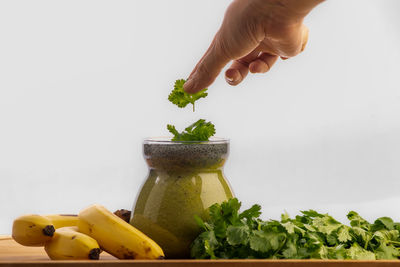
(185, 165)
(189, 157)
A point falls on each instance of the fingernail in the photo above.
(232, 76)
(229, 79)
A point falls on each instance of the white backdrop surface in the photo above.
(83, 82)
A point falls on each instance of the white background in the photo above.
(83, 82)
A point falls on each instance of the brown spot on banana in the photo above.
(129, 256)
(90, 227)
(147, 250)
(126, 253)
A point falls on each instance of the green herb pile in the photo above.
(198, 131)
(229, 234)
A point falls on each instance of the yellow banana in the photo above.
(63, 220)
(36, 230)
(32, 230)
(116, 236)
(68, 244)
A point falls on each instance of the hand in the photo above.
(254, 34)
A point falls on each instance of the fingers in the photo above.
(240, 68)
(254, 62)
(208, 68)
(237, 72)
(263, 63)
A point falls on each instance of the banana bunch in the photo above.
(67, 237)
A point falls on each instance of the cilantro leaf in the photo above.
(253, 212)
(339, 252)
(180, 98)
(172, 129)
(387, 252)
(357, 221)
(203, 247)
(344, 234)
(355, 252)
(385, 235)
(236, 235)
(326, 224)
(290, 251)
(259, 242)
(198, 131)
(383, 223)
(230, 210)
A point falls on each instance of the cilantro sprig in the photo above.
(180, 98)
(198, 131)
(312, 235)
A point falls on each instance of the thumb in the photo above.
(207, 69)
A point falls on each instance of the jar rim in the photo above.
(167, 140)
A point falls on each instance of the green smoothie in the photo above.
(184, 180)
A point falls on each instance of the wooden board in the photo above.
(13, 254)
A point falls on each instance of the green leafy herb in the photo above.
(180, 98)
(229, 233)
(198, 131)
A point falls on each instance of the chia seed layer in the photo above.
(180, 156)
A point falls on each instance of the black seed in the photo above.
(49, 230)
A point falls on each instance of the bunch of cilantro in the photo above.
(197, 131)
(230, 234)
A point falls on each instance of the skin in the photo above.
(253, 35)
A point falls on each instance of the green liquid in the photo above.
(169, 200)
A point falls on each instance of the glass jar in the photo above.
(184, 180)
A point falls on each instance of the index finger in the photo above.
(207, 69)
